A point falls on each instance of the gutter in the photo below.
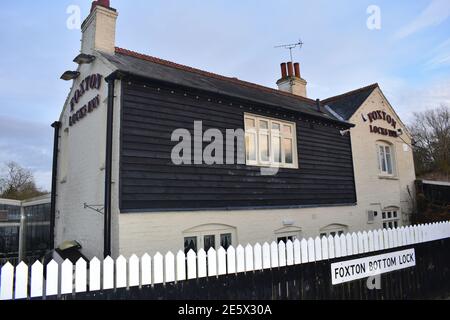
(57, 126)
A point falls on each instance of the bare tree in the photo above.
(431, 134)
(18, 183)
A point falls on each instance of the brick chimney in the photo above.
(291, 81)
(99, 28)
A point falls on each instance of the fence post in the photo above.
(258, 257)
(108, 273)
(348, 240)
(169, 267)
(146, 270)
(121, 272)
(80, 276)
(181, 266)
(331, 248)
(231, 260)
(337, 246)
(37, 280)
(282, 254)
(249, 263)
(240, 259)
(201, 263)
(51, 287)
(94, 275)
(7, 276)
(67, 277)
(304, 250)
(212, 262)
(318, 249)
(133, 271)
(158, 268)
(21, 288)
(221, 261)
(343, 241)
(297, 252)
(289, 253)
(191, 264)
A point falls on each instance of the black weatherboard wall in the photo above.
(149, 181)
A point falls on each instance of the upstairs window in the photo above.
(385, 159)
(270, 142)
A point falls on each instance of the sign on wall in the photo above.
(351, 270)
(90, 83)
(380, 115)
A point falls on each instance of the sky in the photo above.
(403, 45)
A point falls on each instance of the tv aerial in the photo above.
(291, 47)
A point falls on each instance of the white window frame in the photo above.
(389, 222)
(382, 159)
(216, 230)
(257, 132)
(333, 229)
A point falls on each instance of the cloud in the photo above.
(30, 145)
(434, 14)
(441, 56)
(407, 99)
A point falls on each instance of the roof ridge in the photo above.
(373, 85)
(209, 74)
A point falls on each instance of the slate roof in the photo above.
(348, 103)
(153, 68)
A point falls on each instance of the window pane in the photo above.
(249, 123)
(287, 130)
(384, 225)
(276, 147)
(276, 126)
(390, 225)
(388, 162)
(396, 224)
(209, 242)
(264, 147)
(395, 214)
(384, 215)
(282, 239)
(287, 147)
(382, 160)
(263, 124)
(389, 215)
(225, 240)
(250, 146)
(190, 243)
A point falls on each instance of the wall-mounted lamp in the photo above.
(70, 75)
(83, 58)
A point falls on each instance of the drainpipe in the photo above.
(57, 126)
(108, 167)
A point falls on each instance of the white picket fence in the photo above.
(22, 283)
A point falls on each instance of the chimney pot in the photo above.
(283, 71)
(297, 69)
(103, 3)
(290, 69)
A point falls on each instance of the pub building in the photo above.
(342, 164)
